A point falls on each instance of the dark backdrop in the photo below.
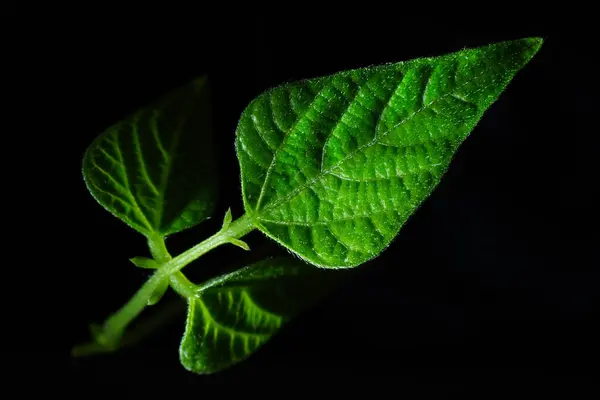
(495, 275)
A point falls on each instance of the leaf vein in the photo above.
(363, 180)
(286, 136)
(320, 175)
(164, 182)
(252, 303)
(259, 131)
(127, 185)
(336, 237)
(326, 223)
(108, 155)
(339, 122)
(153, 124)
(140, 156)
(229, 330)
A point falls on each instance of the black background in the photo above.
(495, 275)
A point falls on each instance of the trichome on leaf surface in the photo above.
(331, 169)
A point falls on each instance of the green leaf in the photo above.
(332, 167)
(154, 169)
(238, 313)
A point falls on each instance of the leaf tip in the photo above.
(240, 243)
(536, 42)
(227, 219)
(532, 45)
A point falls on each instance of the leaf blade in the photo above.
(332, 167)
(240, 312)
(154, 169)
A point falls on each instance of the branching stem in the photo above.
(109, 337)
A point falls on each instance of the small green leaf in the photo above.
(144, 262)
(227, 219)
(238, 313)
(154, 169)
(239, 243)
(332, 167)
(159, 293)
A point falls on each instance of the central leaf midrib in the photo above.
(164, 182)
(117, 147)
(287, 134)
(140, 155)
(373, 142)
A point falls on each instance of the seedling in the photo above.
(331, 169)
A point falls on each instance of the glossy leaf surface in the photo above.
(333, 167)
(241, 311)
(154, 169)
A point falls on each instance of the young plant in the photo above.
(331, 169)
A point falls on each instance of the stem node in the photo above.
(165, 267)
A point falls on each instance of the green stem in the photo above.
(115, 325)
(237, 229)
(187, 289)
(158, 249)
(183, 286)
(165, 313)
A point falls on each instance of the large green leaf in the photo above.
(238, 313)
(333, 167)
(154, 169)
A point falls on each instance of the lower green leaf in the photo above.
(239, 312)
